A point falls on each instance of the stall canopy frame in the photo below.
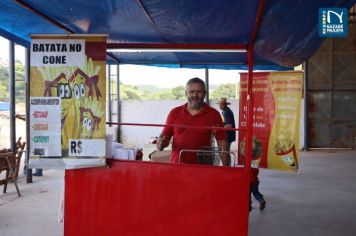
(272, 36)
(271, 41)
(287, 37)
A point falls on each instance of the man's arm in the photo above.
(224, 157)
(162, 142)
(228, 119)
(166, 135)
(228, 126)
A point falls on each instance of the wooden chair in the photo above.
(20, 149)
(8, 164)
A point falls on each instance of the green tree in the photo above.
(19, 70)
(164, 95)
(3, 92)
(132, 95)
(224, 90)
(178, 92)
(129, 92)
(20, 85)
(140, 92)
(4, 82)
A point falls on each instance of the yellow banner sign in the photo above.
(67, 100)
(276, 119)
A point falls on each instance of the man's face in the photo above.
(195, 94)
(222, 106)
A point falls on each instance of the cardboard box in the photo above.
(160, 156)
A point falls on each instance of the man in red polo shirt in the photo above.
(194, 113)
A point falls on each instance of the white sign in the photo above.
(45, 126)
(58, 52)
(87, 147)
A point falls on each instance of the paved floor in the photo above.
(35, 212)
(320, 200)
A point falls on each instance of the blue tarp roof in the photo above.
(287, 36)
(4, 106)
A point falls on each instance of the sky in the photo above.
(172, 77)
(135, 74)
(4, 51)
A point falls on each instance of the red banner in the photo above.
(276, 119)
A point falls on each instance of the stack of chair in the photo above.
(10, 163)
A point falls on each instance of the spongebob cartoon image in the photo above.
(59, 87)
(82, 82)
(80, 96)
(90, 118)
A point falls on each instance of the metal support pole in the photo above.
(306, 108)
(28, 115)
(248, 151)
(12, 94)
(331, 118)
(250, 102)
(118, 104)
(178, 47)
(109, 95)
(207, 84)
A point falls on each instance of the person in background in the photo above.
(194, 113)
(254, 189)
(229, 122)
(39, 172)
(254, 180)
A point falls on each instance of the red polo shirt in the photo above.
(188, 138)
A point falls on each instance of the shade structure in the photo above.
(286, 37)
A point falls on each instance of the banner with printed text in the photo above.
(67, 101)
(276, 119)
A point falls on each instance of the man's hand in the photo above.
(162, 142)
(224, 157)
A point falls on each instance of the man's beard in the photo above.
(195, 103)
